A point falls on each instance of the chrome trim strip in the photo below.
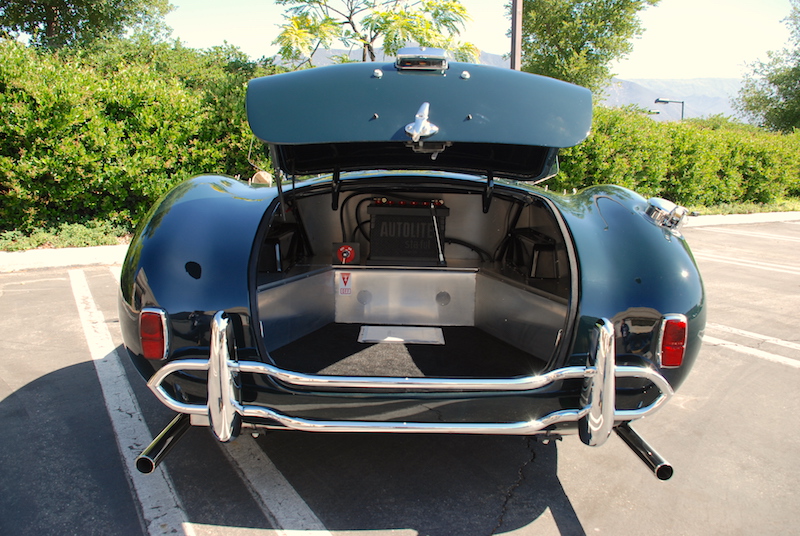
(512, 428)
(154, 383)
(657, 349)
(595, 419)
(164, 326)
(522, 383)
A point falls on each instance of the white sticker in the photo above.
(344, 284)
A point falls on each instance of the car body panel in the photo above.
(572, 291)
(658, 274)
(170, 263)
(630, 269)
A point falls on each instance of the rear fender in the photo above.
(632, 272)
(191, 257)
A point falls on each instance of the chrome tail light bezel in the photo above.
(161, 317)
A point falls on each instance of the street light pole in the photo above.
(666, 101)
(516, 35)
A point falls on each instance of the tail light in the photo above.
(672, 341)
(153, 333)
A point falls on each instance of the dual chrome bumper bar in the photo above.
(595, 419)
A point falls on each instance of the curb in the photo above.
(733, 219)
(16, 261)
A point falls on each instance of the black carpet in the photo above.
(467, 352)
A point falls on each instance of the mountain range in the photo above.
(702, 97)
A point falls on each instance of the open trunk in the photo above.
(389, 281)
(439, 300)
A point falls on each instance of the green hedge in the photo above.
(99, 134)
(701, 162)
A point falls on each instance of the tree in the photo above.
(770, 95)
(576, 40)
(364, 24)
(59, 23)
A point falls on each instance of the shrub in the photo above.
(101, 133)
(625, 148)
(76, 145)
(93, 233)
(695, 162)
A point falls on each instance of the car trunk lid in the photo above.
(462, 118)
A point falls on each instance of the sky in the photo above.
(682, 38)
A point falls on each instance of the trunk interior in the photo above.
(386, 281)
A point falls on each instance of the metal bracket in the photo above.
(421, 127)
(488, 191)
(336, 185)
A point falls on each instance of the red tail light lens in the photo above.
(673, 340)
(153, 332)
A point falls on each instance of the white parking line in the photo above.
(771, 267)
(739, 232)
(161, 508)
(278, 500)
(22, 284)
(756, 336)
(755, 352)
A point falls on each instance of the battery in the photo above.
(404, 233)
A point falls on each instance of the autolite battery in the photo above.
(403, 233)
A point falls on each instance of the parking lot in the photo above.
(71, 410)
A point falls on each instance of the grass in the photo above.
(93, 233)
(99, 233)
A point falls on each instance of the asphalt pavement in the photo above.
(73, 413)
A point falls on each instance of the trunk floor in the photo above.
(467, 352)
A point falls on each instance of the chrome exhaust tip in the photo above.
(660, 467)
(156, 451)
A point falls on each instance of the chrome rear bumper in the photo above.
(595, 419)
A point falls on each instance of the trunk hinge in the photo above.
(336, 185)
(488, 191)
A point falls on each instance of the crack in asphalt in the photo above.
(435, 411)
(529, 441)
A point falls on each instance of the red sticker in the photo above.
(346, 254)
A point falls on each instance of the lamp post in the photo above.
(516, 35)
(667, 101)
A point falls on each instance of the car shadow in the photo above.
(58, 440)
(61, 468)
(431, 484)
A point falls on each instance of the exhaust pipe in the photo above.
(155, 452)
(652, 459)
